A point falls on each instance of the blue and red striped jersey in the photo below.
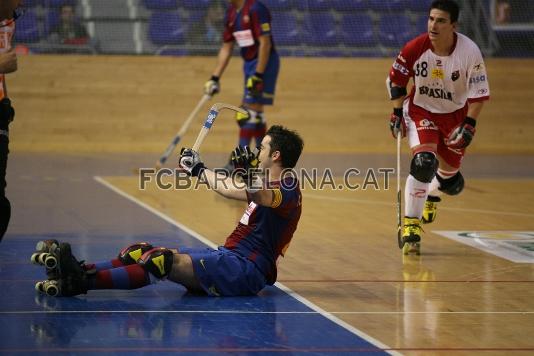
(264, 233)
(245, 26)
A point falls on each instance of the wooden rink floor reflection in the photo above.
(84, 123)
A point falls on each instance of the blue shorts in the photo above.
(269, 79)
(223, 272)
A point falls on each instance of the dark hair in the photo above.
(449, 6)
(288, 142)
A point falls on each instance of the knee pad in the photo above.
(129, 255)
(453, 185)
(424, 166)
(5, 215)
(157, 261)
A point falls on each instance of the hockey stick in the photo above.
(183, 130)
(399, 200)
(210, 119)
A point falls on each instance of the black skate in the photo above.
(70, 278)
(43, 257)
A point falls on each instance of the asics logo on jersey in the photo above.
(401, 68)
(435, 93)
(480, 78)
(202, 263)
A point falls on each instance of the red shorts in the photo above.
(423, 127)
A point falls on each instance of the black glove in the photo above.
(7, 113)
(245, 163)
(462, 135)
(190, 162)
(397, 124)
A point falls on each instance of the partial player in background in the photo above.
(248, 23)
(439, 115)
(243, 266)
(8, 64)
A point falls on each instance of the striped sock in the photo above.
(100, 266)
(126, 277)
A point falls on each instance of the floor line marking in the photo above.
(204, 240)
(373, 202)
(235, 312)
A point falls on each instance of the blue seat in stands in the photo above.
(320, 29)
(161, 4)
(314, 5)
(195, 4)
(58, 3)
(421, 24)
(31, 3)
(166, 28)
(51, 20)
(420, 5)
(357, 30)
(278, 5)
(285, 29)
(389, 5)
(394, 30)
(349, 5)
(27, 28)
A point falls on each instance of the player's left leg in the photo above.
(254, 125)
(448, 180)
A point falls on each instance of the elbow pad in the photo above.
(395, 92)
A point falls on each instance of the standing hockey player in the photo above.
(248, 23)
(438, 116)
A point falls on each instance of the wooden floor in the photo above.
(344, 256)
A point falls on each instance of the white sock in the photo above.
(433, 187)
(415, 194)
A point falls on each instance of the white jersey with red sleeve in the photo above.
(442, 84)
(7, 30)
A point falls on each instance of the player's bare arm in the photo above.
(225, 53)
(263, 53)
(474, 109)
(225, 186)
(8, 62)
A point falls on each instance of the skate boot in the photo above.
(431, 207)
(43, 257)
(412, 236)
(71, 276)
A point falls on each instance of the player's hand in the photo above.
(244, 158)
(246, 166)
(255, 85)
(462, 135)
(190, 162)
(397, 124)
(212, 86)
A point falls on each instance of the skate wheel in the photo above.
(46, 245)
(411, 248)
(51, 288)
(35, 258)
(39, 287)
(50, 261)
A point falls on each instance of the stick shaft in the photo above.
(399, 194)
(210, 119)
(185, 126)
